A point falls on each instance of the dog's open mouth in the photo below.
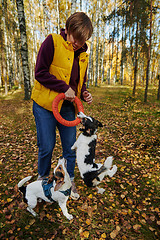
(82, 116)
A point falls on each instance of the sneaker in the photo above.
(74, 193)
(41, 178)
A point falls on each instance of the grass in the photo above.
(129, 208)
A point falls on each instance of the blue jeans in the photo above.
(46, 137)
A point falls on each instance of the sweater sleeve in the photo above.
(84, 86)
(44, 60)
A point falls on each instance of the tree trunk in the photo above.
(90, 66)
(135, 61)
(45, 18)
(58, 17)
(158, 93)
(97, 46)
(80, 5)
(158, 77)
(122, 53)
(117, 51)
(149, 57)
(73, 6)
(24, 49)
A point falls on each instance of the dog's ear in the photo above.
(51, 178)
(100, 124)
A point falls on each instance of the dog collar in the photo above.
(67, 192)
(47, 189)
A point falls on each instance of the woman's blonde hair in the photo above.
(80, 26)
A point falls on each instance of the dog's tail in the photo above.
(23, 181)
(108, 162)
(22, 188)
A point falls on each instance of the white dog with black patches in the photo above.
(57, 188)
(92, 173)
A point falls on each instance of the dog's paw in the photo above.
(100, 190)
(69, 216)
(112, 171)
(32, 211)
(108, 162)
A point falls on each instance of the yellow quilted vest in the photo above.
(60, 67)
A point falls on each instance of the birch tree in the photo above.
(73, 6)
(24, 48)
(97, 44)
(58, 16)
(148, 55)
(90, 67)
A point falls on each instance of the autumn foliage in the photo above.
(129, 208)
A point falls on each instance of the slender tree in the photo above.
(24, 48)
(73, 6)
(97, 44)
(136, 59)
(149, 55)
(158, 77)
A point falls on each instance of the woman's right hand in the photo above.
(70, 95)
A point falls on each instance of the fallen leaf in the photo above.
(86, 234)
(152, 229)
(136, 227)
(118, 228)
(103, 235)
(88, 221)
(113, 234)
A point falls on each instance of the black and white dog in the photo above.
(92, 173)
(57, 188)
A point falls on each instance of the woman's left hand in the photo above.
(87, 97)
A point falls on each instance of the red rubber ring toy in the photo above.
(59, 117)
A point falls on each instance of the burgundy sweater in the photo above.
(44, 60)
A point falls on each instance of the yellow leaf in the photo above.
(103, 236)
(113, 234)
(9, 200)
(124, 237)
(157, 209)
(48, 216)
(143, 221)
(129, 211)
(88, 221)
(32, 222)
(122, 196)
(80, 230)
(144, 215)
(122, 186)
(118, 228)
(86, 234)
(90, 196)
(27, 227)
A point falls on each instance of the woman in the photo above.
(61, 67)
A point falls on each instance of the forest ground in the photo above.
(129, 207)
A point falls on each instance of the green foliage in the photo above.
(129, 208)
